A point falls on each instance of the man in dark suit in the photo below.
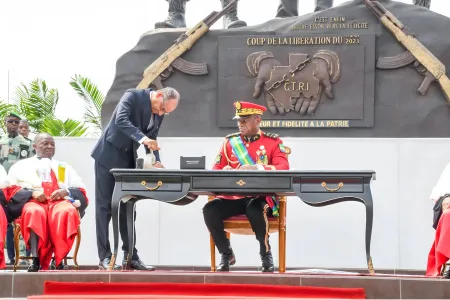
(135, 121)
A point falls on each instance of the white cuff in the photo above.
(260, 167)
(143, 139)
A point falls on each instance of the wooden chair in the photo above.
(240, 225)
(17, 232)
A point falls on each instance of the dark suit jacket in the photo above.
(130, 122)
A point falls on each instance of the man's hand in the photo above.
(151, 144)
(227, 167)
(59, 194)
(158, 165)
(248, 167)
(39, 196)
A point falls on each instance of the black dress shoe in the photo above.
(227, 260)
(137, 264)
(61, 266)
(104, 264)
(267, 262)
(35, 265)
(447, 273)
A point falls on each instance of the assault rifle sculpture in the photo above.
(424, 61)
(162, 67)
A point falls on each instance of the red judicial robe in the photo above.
(265, 150)
(54, 222)
(12, 200)
(440, 250)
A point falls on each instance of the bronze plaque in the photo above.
(313, 81)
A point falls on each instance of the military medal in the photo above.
(11, 150)
(218, 159)
(262, 156)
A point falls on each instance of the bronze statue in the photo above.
(287, 8)
(424, 3)
(177, 9)
(424, 61)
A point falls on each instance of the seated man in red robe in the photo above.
(12, 200)
(50, 220)
(440, 250)
(249, 149)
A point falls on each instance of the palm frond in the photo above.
(92, 96)
(69, 127)
(36, 102)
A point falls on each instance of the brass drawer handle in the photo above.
(158, 185)
(324, 185)
(240, 182)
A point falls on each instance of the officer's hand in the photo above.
(59, 194)
(248, 167)
(39, 196)
(227, 167)
(158, 165)
(151, 144)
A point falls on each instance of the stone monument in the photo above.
(332, 73)
(177, 9)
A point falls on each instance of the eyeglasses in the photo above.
(13, 121)
(162, 109)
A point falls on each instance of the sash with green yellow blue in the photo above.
(245, 159)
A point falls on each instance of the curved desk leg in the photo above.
(368, 202)
(115, 205)
(131, 205)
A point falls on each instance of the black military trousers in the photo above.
(256, 209)
(104, 188)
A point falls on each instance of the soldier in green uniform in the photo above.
(24, 130)
(13, 147)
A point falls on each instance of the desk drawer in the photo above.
(241, 183)
(331, 185)
(153, 183)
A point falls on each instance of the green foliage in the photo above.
(93, 100)
(5, 108)
(69, 127)
(37, 103)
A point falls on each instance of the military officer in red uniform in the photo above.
(248, 149)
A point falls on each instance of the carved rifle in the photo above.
(424, 61)
(170, 59)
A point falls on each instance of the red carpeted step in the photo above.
(149, 297)
(217, 291)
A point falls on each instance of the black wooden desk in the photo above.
(182, 187)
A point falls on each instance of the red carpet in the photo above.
(155, 290)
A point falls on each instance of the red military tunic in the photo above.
(266, 150)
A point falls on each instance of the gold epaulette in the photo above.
(233, 134)
(224, 148)
(271, 135)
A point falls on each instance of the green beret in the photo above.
(14, 114)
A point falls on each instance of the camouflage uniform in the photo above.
(13, 149)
